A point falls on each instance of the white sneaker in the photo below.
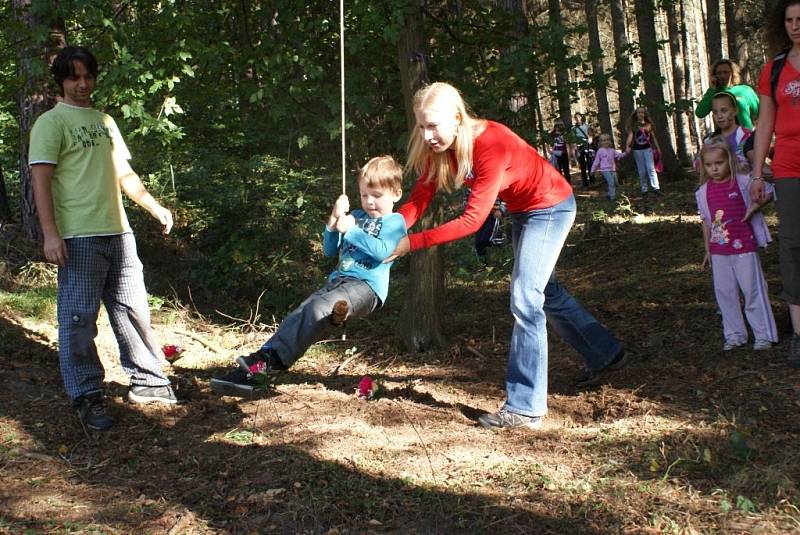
(761, 345)
(731, 345)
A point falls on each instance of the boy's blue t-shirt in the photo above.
(363, 248)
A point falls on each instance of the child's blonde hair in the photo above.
(421, 159)
(713, 144)
(382, 172)
(604, 137)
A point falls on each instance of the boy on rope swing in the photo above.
(358, 285)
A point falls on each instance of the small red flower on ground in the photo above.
(171, 352)
(367, 388)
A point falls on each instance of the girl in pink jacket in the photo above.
(605, 163)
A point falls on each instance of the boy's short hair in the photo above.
(382, 172)
(62, 67)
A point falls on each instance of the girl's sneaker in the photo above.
(761, 345)
(731, 345)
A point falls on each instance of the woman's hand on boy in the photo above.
(402, 249)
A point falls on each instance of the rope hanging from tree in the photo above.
(341, 82)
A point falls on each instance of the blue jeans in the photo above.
(578, 328)
(537, 238)
(646, 168)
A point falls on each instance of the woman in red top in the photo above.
(782, 116)
(450, 148)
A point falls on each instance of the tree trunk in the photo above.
(5, 209)
(419, 325)
(682, 106)
(654, 91)
(556, 24)
(735, 15)
(35, 95)
(713, 31)
(688, 53)
(622, 66)
(599, 78)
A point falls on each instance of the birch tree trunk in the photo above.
(419, 325)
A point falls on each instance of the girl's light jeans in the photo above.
(537, 239)
(646, 169)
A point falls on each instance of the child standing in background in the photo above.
(605, 163)
(642, 142)
(558, 156)
(733, 229)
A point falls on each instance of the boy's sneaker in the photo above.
(728, 346)
(794, 351)
(339, 313)
(236, 382)
(505, 419)
(761, 345)
(594, 377)
(261, 361)
(92, 410)
(152, 394)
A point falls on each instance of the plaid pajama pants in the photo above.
(107, 269)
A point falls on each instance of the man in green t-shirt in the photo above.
(79, 164)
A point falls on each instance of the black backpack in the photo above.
(777, 66)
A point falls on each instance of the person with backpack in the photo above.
(725, 77)
(581, 134)
(779, 114)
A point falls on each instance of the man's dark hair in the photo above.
(63, 67)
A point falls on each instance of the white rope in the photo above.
(341, 71)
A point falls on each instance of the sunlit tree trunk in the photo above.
(681, 123)
(599, 78)
(735, 16)
(419, 325)
(713, 30)
(689, 83)
(654, 92)
(562, 74)
(622, 65)
(36, 94)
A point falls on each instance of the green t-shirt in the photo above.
(82, 143)
(746, 100)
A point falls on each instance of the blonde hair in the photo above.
(717, 143)
(437, 165)
(382, 172)
(604, 137)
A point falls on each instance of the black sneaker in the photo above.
(505, 419)
(594, 377)
(261, 361)
(339, 313)
(794, 351)
(239, 383)
(152, 394)
(92, 410)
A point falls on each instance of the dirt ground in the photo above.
(685, 439)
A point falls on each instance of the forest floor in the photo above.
(685, 439)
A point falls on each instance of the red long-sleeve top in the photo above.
(504, 166)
